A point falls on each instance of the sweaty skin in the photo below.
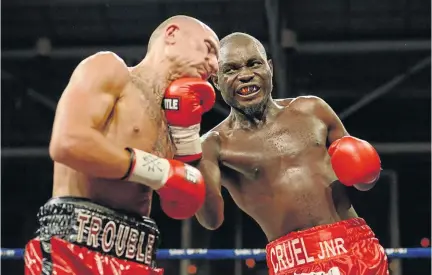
(107, 106)
(271, 155)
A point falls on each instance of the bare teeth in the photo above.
(248, 90)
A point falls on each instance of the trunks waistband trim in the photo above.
(316, 244)
(85, 223)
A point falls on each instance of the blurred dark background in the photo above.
(340, 50)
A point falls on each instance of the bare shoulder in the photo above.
(308, 103)
(283, 101)
(105, 68)
(301, 102)
(210, 138)
(210, 143)
(213, 138)
(313, 105)
(109, 61)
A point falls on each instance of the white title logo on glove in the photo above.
(171, 104)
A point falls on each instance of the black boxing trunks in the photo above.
(344, 248)
(78, 236)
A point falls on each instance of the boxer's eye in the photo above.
(256, 64)
(228, 71)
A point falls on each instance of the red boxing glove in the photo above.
(184, 191)
(354, 161)
(185, 101)
(180, 186)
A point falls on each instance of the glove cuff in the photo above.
(187, 140)
(149, 169)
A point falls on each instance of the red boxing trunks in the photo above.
(77, 236)
(344, 248)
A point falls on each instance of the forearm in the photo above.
(92, 154)
(180, 186)
(211, 214)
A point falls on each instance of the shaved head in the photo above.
(184, 47)
(241, 39)
(178, 20)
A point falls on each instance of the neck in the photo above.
(257, 119)
(153, 73)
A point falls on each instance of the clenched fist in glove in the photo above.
(180, 186)
(185, 101)
(354, 161)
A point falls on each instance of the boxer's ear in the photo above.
(214, 79)
(270, 63)
(171, 33)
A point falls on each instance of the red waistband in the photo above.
(317, 243)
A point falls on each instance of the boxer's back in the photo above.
(280, 173)
(135, 120)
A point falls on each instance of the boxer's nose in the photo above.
(245, 76)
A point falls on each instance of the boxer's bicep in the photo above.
(211, 214)
(336, 129)
(82, 111)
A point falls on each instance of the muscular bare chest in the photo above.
(279, 174)
(140, 123)
(284, 143)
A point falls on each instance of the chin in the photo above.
(252, 109)
(254, 106)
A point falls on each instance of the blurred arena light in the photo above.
(425, 242)
(250, 263)
(192, 269)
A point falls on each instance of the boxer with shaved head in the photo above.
(113, 145)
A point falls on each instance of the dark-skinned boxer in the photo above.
(273, 158)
